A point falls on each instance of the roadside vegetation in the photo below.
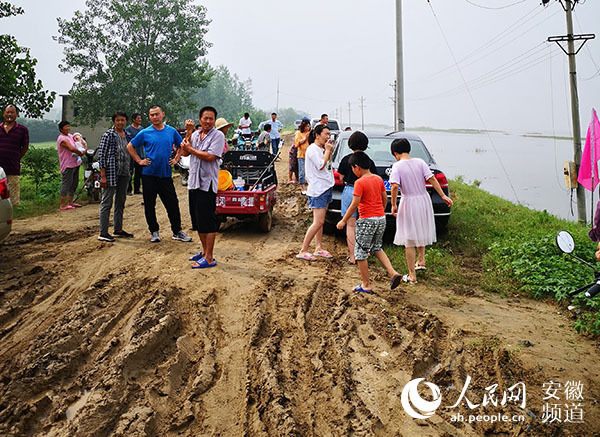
(494, 245)
(40, 181)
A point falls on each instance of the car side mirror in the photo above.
(565, 242)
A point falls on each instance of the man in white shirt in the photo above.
(320, 184)
(324, 120)
(276, 128)
(245, 124)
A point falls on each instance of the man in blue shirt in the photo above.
(158, 141)
(275, 133)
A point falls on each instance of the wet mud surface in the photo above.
(125, 339)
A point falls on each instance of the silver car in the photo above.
(6, 209)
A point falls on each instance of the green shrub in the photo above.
(41, 166)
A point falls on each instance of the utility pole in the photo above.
(349, 118)
(277, 110)
(362, 112)
(399, 117)
(568, 6)
(341, 116)
(393, 99)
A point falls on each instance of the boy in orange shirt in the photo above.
(370, 198)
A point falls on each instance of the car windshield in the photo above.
(333, 125)
(379, 150)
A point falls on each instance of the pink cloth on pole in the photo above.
(592, 143)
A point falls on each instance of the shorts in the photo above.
(69, 181)
(293, 164)
(347, 196)
(203, 206)
(369, 237)
(322, 200)
(15, 189)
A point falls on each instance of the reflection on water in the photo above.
(534, 166)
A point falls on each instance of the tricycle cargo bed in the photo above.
(253, 173)
(254, 167)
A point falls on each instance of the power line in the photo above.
(509, 31)
(494, 52)
(588, 51)
(499, 7)
(475, 105)
(510, 68)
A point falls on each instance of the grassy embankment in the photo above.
(503, 248)
(45, 197)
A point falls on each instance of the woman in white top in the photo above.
(320, 183)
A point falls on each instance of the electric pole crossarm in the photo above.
(583, 37)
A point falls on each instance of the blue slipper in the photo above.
(203, 264)
(196, 257)
(395, 281)
(362, 290)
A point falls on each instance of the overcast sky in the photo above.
(326, 54)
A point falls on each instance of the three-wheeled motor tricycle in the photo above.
(247, 187)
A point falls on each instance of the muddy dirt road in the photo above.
(125, 339)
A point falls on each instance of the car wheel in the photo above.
(265, 221)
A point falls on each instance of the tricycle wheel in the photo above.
(220, 220)
(265, 221)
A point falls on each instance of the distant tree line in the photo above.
(40, 130)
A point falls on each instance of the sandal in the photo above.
(196, 257)
(323, 254)
(362, 290)
(306, 256)
(395, 281)
(406, 279)
(420, 267)
(75, 205)
(203, 264)
(65, 208)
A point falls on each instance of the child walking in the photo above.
(415, 225)
(358, 142)
(370, 198)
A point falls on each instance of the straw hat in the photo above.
(221, 123)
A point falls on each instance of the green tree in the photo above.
(40, 130)
(132, 55)
(18, 83)
(289, 115)
(226, 92)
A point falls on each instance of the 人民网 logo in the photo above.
(414, 405)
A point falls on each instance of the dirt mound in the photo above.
(125, 339)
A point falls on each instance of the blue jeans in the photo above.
(275, 145)
(301, 178)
